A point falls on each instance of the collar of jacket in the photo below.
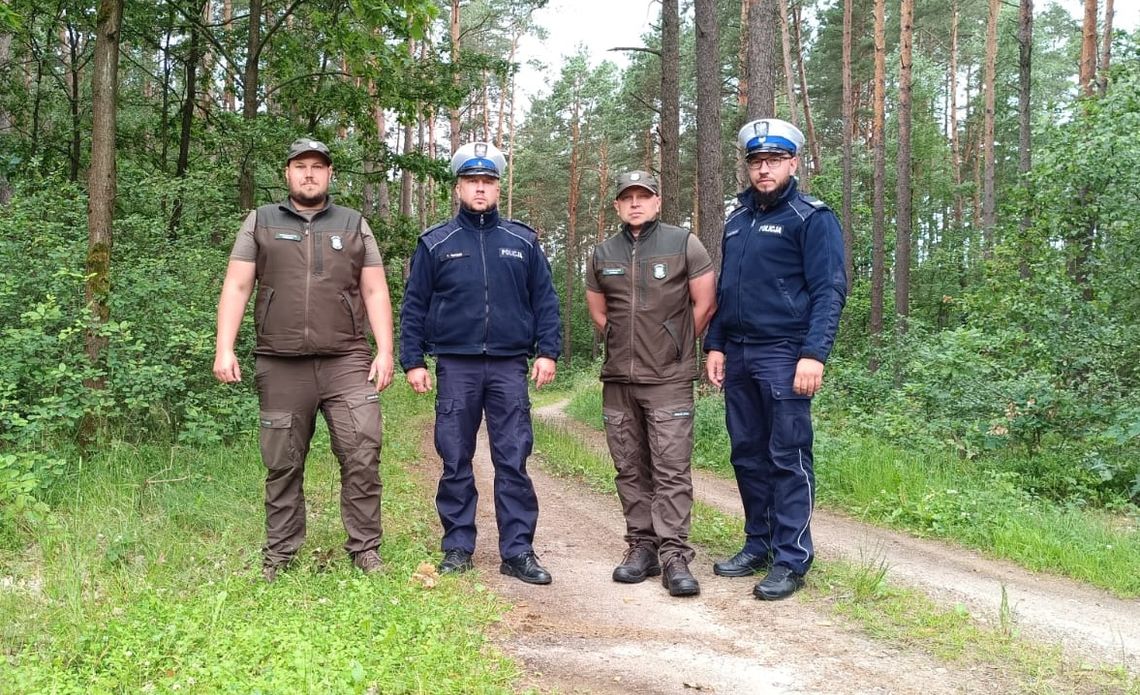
(646, 229)
(747, 198)
(288, 206)
(479, 221)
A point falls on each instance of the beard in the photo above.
(767, 200)
(307, 201)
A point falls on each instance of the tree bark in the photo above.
(1024, 119)
(762, 22)
(989, 201)
(229, 95)
(798, 50)
(878, 195)
(572, 227)
(955, 147)
(903, 185)
(249, 101)
(789, 69)
(710, 201)
(848, 149)
(453, 116)
(102, 177)
(408, 148)
(1106, 46)
(670, 179)
(187, 124)
(5, 117)
(1086, 77)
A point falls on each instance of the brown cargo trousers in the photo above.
(291, 391)
(649, 429)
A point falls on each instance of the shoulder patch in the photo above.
(520, 226)
(814, 202)
(431, 229)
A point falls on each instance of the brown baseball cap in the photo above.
(302, 146)
(636, 178)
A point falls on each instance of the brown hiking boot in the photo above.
(640, 561)
(678, 579)
(368, 562)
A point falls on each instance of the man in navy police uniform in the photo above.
(782, 287)
(480, 298)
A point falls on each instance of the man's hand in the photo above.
(381, 371)
(226, 367)
(420, 379)
(809, 377)
(543, 371)
(714, 366)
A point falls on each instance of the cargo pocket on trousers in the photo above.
(791, 419)
(278, 450)
(671, 436)
(617, 436)
(364, 410)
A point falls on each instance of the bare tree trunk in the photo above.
(486, 107)
(989, 200)
(1024, 118)
(604, 195)
(506, 86)
(453, 119)
(762, 23)
(742, 95)
(710, 202)
(102, 178)
(903, 190)
(206, 66)
(1087, 75)
(229, 95)
(73, 96)
(511, 155)
(406, 179)
(249, 101)
(813, 142)
(955, 148)
(789, 69)
(572, 226)
(670, 113)
(187, 123)
(5, 117)
(878, 196)
(848, 150)
(1106, 46)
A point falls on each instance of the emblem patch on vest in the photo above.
(771, 228)
(336, 242)
(511, 253)
(287, 237)
(660, 270)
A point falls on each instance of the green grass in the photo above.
(939, 495)
(150, 583)
(860, 592)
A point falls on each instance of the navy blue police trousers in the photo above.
(770, 430)
(467, 388)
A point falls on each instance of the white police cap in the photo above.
(478, 158)
(770, 135)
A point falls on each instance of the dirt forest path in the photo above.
(586, 634)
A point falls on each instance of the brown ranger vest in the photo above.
(308, 282)
(649, 314)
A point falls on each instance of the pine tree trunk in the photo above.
(762, 22)
(878, 196)
(1086, 77)
(848, 149)
(249, 101)
(955, 148)
(789, 69)
(572, 229)
(710, 202)
(989, 200)
(670, 179)
(454, 113)
(229, 96)
(5, 117)
(1106, 46)
(1024, 120)
(903, 189)
(813, 142)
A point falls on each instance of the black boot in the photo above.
(742, 564)
(678, 579)
(525, 567)
(781, 582)
(455, 561)
(640, 561)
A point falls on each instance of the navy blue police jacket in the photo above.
(479, 284)
(782, 275)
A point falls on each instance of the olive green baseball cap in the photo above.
(636, 178)
(302, 146)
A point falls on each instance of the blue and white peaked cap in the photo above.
(478, 159)
(770, 135)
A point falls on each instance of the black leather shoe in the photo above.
(781, 582)
(525, 567)
(455, 561)
(640, 561)
(678, 579)
(742, 564)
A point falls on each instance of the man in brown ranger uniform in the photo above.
(651, 291)
(319, 277)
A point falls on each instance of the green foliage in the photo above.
(24, 478)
